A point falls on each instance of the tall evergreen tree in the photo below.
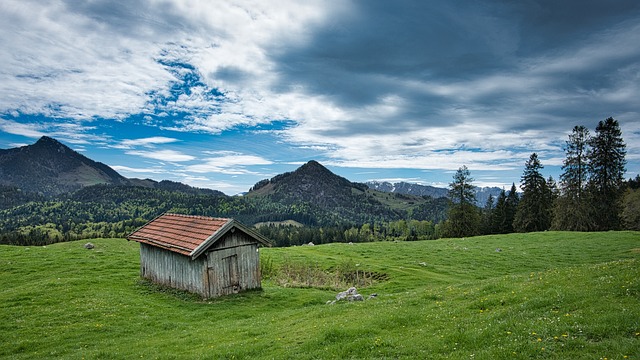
(499, 214)
(463, 218)
(607, 167)
(572, 210)
(488, 215)
(505, 211)
(576, 164)
(513, 200)
(533, 212)
(551, 197)
(552, 187)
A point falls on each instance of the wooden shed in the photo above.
(204, 255)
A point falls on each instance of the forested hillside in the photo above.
(114, 211)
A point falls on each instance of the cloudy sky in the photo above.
(222, 94)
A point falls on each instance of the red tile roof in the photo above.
(179, 233)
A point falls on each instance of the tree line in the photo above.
(404, 230)
(115, 211)
(592, 194)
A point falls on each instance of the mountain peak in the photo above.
(313, 163)
(51, 168)
(315, 173)
(49, 143)
(313, 167)
(311, 181)
(47, 140)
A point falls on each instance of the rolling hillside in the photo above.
(542, 295)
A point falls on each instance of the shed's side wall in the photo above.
(247, 258)
(173, 269)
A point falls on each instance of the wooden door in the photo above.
(231, 276)
(223, 272)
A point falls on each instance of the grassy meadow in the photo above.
(551, 295)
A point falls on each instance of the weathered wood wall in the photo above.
(173, 269)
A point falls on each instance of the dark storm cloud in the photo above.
(491, 57)
(381, 42)
(130, 17)
(549, 24)
(231, 73)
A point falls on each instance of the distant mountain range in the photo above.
(49, 192)
(482, 193)
(51, 168)
(408, 188)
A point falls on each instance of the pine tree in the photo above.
(550, 199)
(488, 215)
(505, 211)
(513, 200)
(533, 212)
(463, 218)
(499, 214)
(607, 167)
(572, 210)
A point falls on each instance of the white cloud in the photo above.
(16, 128)
(146, 142)
(73, 133)
(164, 155)
(230, 164)
(599, 50)
(230, 188)
(215, 123)
(59, 63)
(127, 169)
(69, 60)
(16, 145)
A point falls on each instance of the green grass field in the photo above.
(545, 295)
